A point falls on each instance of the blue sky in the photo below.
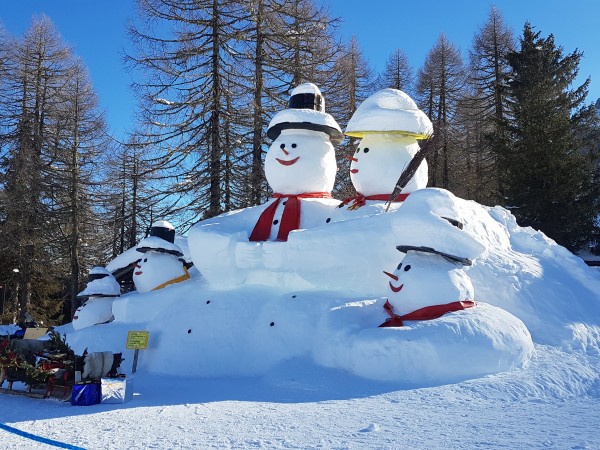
(96, 31)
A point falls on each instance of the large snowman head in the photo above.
(426, 279)
(302, 158)
(379, 161)
(389, 123)
(156, 269)
(301, 161)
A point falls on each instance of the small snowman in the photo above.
(300, 167)
(389, 124)
(430, 280)
(162, 263)
(435, 332)
(100, 292)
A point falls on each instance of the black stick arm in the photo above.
(408, 172)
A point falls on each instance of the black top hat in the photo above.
(163, 230)
(161, 240)
(306, 111)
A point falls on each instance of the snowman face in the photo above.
(95, 310)
(155, 269)
(379, 161)
(425, 279)
(301, 161)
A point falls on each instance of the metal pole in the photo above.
(135, 359)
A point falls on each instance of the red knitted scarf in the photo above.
(426, 313)
(290, 220)
(359, 200)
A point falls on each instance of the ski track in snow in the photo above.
(553, 403)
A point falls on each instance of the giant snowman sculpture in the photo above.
(242, 247)
(318, 290)
(389, 123)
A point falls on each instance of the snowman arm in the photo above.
(407, 174)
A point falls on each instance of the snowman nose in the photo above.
(351, 158)
(282, 147)
(391, 275)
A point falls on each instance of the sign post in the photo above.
(137, 340)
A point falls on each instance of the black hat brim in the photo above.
(160, 250)
(335, 136)
(423, 249)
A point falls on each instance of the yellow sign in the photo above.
(137, 340)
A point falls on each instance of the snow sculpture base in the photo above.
(249, 331)
(460, 345)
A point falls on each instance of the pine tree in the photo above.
(397, 73)
(547, 168)
(440, 87)
(484, 108)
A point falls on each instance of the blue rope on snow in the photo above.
(38, 438)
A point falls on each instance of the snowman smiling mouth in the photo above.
(287, 163)
(394, 277)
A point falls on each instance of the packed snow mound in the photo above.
(196, 331)
(527, 288)
(465, 344)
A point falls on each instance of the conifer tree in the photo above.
(483, 108)
(547, 169)
(397, 73)
(440, 87)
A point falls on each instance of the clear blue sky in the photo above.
(96, 31)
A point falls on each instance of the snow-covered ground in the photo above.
(553, 403)
(260, 367)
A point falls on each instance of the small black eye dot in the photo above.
(207, 302)
(358, 150)
(367, 150)
(407, 268)
(328, 220)
(282, 146)
(294, 146)
(189, 331)
(272, 324)
(145, 259)
(294, 296)
(275, 222)
(399, 266)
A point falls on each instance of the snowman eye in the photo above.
(282, 146)
(407, 268)
(294, 146)
(145, 259)
(399, 266)
(366, 150)
(358, 150)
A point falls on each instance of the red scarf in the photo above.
(426, 313)
(360, 199)
(290, 220)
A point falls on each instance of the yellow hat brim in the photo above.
(361, 134)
